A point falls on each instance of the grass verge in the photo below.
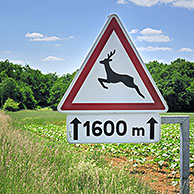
(33, 164)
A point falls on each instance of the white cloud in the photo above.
(188, 4)
(133, 31)
(45, 39)
(154, 38)
(153, 35)
(150, 48)
(37, 37)
(71, 37)
(17, 61)
(146, 3)
(34, 35)
(8, 51)
(53, 58)
(185, 50)
(156, 59)
(58, 45)
(121, 2)
(150, 31)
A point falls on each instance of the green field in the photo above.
(38, 159)
(52, 125)
(35, 158)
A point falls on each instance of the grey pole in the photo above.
(184, 149)
(184, 157)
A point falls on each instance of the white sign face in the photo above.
(113, 128)
(115, 92)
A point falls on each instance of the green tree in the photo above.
(175, 83)
(9, 89)
(27, 98)
(10, 105)
(59, 88)
(39, 83)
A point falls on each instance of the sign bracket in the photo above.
(184, 149)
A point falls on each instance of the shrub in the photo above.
(11, 105)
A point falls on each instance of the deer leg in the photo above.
(138, 91)
(102, 82)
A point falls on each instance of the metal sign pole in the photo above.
(184, 149)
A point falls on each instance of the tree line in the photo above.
(176, 83)
(31, 89)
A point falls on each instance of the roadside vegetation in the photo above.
(165, 153)
(45, 163)
(41, 136)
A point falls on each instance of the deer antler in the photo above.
(111, 54)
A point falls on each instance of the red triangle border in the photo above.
(68, 106)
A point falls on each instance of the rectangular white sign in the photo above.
(113, 128)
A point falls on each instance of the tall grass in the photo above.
(32, 164)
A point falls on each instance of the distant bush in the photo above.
(11, 105)
(44, 109)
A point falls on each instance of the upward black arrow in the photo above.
(75, 123)
(152, 122)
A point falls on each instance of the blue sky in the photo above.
(56, 35)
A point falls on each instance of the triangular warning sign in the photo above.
(113, 77)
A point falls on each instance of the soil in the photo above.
(161, 180)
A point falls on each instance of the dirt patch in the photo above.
(162, 180)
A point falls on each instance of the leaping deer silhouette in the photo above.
(113, 77)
